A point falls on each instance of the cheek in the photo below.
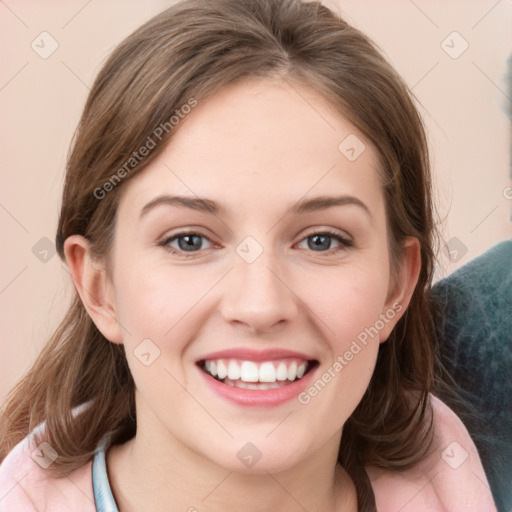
(349, 312)
(353, 314)
(350, 301)
(157, 303)
(158, 311)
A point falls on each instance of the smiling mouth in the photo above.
(259, 375)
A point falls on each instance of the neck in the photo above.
(148, 475)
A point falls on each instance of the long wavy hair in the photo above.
(192, 50)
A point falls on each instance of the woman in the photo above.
(247, 219)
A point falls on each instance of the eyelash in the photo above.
(345, 243)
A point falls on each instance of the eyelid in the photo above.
(328, 231)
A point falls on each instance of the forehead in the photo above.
(261, 140)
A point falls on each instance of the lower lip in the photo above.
(255, 397)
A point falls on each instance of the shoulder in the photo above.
(451, 478)
(26, 486)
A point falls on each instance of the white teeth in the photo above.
(250, 385)
(267, 372)
(249, 371)
(292, 371)
(233, 370)
(222, 371)
(282, 371)
(211, 367)
(271, 372)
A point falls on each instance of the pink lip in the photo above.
(258, 398)
(248, 354)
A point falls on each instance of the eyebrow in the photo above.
(209, 206)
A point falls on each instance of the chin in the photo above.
(259, 457)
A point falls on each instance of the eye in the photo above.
(322, 241)
(187, 242)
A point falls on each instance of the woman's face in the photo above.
(248, 281)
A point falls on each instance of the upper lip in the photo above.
(248, 354)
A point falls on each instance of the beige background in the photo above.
(464, 101)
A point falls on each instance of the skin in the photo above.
(256, 147)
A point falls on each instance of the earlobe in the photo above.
(403, 285)
(93, 285)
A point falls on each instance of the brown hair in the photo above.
(192, 50)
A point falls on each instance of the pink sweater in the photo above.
(451, 479)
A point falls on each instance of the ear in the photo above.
(402, 286)
(93, 285)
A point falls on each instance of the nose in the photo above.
(257, 296)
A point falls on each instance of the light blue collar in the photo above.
(103, 497)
